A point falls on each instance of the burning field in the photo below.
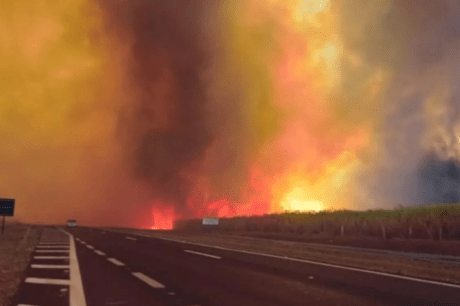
(137, 113)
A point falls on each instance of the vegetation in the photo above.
(435, 222)
(16, 246)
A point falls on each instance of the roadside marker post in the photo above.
(210, 224)
(6, 209)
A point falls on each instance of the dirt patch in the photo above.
(16, 246)
(357, 259)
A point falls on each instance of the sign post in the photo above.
(210, 221)
(210, 224)
(6, 209)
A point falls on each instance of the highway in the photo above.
(123, 269)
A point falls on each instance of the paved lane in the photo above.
(198, 275)
(108, 284)
(65, 272)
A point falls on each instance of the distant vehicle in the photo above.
(72, 222)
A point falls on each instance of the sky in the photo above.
(140, 112)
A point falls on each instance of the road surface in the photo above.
(122, 269)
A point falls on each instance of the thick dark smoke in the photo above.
(169, 121)
(167, 63)
(439, 181)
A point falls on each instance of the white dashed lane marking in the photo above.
(54, 242)
(47, 281)
(203, 254)
(53, 246)
(115, 262)
(151, 282)
(60, 240)
(62, 249)
(90, 247)
(50, 266)
(99, 252)
(131, 238)
(51, 257)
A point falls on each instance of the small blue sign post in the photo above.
(6, 209)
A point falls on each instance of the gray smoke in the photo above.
(420, 147)
(439, 181)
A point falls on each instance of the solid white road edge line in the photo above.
(99, 252)
(316, 263)
(203, 254)
(131, 238)
(151, 282)
(47, 281)
(116, 262)
(50, 266)
(77, 294)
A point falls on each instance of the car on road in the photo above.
(71, 222)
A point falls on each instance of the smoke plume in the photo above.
(143, 111)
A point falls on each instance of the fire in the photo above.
(162, 219)
(307, 164)
(298, 200)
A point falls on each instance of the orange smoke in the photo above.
(307, 145)
(144, 102)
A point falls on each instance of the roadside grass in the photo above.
(16, 246)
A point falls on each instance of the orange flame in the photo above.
(162, 218)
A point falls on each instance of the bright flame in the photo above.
(163, 219)
(298, 200)
(302, 168)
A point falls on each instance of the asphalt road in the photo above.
(122, 269)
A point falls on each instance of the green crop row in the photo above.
(440, 221)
